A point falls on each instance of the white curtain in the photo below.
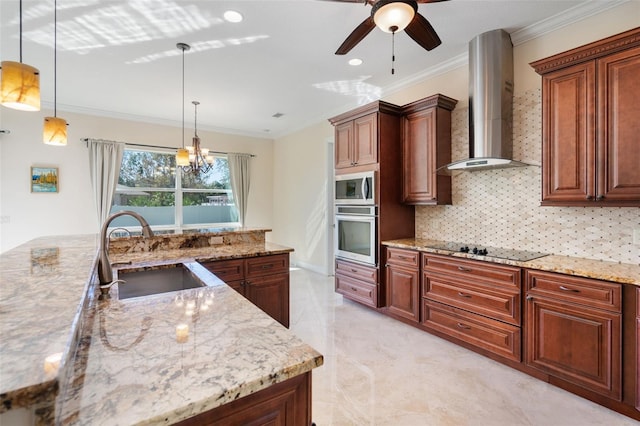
(105, 158)
(239, 172)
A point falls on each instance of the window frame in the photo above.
(178, 226)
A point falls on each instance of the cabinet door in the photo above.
(575, 343)
(568, 135)
(365, 140)
(418, 158)
(271, 294)
(619, 127)
(344, 145)
(403, 292)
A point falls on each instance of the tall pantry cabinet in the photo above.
(369, 138)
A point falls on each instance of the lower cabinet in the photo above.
(285, 403)
(357, 282)
(574, 330)
(473, 301)
(263, 280)
(402, 269)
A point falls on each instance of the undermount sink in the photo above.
(137, 283)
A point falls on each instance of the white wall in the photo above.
(300, 197)
(71, 211)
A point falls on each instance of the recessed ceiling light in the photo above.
(232, 16)
(355, 62)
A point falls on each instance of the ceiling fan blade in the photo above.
(356, 36)
(423, 33)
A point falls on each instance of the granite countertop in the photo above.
(623, 273)
(129, 367)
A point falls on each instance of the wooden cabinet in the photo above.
(426, 146)
(402, 270)
(638, 348)
(285, 403)
(573, 330)
(472, 301)
(357, 142)
(357, 282)
(264, 280)
(590, 124)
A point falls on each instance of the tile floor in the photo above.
(378, 371)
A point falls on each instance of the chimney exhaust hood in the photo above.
(490, 104)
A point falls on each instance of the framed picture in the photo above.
(44, 179)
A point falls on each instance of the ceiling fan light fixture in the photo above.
(393, 16)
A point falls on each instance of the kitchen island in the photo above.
(157, 359)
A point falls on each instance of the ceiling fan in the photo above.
(392, 16)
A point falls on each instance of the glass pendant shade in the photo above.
(20, 86)
(182, 157)
(394, 16)
(55, 131)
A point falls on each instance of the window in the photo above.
(148, 184)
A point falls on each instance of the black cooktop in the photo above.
(497, 252)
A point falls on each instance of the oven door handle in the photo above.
(365, 189)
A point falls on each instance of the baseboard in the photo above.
(313, 268)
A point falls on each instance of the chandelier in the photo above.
(192, 159)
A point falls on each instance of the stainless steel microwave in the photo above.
(355, 188)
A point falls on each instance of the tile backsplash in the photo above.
(501, 208)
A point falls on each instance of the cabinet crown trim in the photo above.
(437, 100)
(604, 47)
(377, 106)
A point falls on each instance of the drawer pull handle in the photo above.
(269, 266)
(572, 290)
(354, 270)
(461, 294)
(354, 289)
(463, 326)
(463, 269)
(403, 257)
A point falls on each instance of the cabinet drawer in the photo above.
(584, 291)
(476, 271)
(490, 301)
(227, 270)
(359, 291)
(367, 274)
(267, 265)
(493, 336)
(400, 257)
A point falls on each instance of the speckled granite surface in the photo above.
(624, 273)
(129, 367)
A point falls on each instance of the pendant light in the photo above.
(55, 128)
(20, 83)
(192, 159)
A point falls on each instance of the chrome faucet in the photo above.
(105, 272)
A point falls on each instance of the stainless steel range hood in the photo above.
(490, 104)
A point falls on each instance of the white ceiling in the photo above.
(119, 58)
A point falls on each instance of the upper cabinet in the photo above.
(358, 135)
(590, 125)
(426, 146)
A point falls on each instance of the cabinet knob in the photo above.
(529, 297)
(600, 197)
(386, 265)
(589, 197)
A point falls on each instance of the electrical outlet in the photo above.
(217, 240)
(636, 236)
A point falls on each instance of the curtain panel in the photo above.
(239, 173)
(105, 158)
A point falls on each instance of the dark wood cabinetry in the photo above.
(574, 330)
(357, 142)
(285, 403)
(358, 282)
(590, 124)
(475, 302)
(263, 280)
(426, 146)
(402, 270)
